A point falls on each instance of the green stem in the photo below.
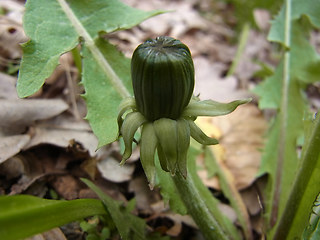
(309, 163)
(283, 118)
(197, 208)
(241, 46)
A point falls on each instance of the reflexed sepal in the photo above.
(183, 132)
(129, 127)
(126, 104)
(162, 77)
(166, 132)
(197, 134)
(148, 146)
(212, 108)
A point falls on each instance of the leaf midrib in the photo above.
(90, 44)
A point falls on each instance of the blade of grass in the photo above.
(305, 188)
(232, 194)
(22, 216)
(283, 116)
(241, 46)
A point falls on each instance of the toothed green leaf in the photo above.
(55, 27)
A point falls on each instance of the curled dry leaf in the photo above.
(53, 234)
(210, 85)
(161, 211)
(240, 136)
(111, 170)
(11, 145)
(66, 186)
(63, 137)
(143, 195)
(11, 36)
(16, 115)
(8, 87)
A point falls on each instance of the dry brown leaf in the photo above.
(63, 137)
(11, 145)
(210, 85)
(14, 9)
(262, 18)
(142, 193)
(161, 211)
(53, 234)
(257, 49)
(16, 115)
(111, 170)
(251, 199)
(11, 36)
(241, 139)
(8, 87)
(66, 186)
(13, 168)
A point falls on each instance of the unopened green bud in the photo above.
(163, 78)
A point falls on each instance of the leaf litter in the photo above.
(46, 146)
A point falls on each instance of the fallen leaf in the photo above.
(8, 87)
(111, 170)
(66, 186)
(251, 199)
(241, 139)
(262, 18)
(11, 145)
(210, 85)
(143, 195)
(13, 168)
(61, 137)
(53, 234)
(16, 115)
(11, 36)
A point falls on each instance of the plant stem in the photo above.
(241, 46)
(197, 208)
(283, 117)
(309, 163)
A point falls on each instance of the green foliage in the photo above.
(128, 225)
(55, 27)
(305, 187)
(312, 232)
(102, 99)
(169, 192)
(168, 189)
(206, 195)
(91, 227)
(23, 216)
(283, 92)
(231, 193)
(244, 9)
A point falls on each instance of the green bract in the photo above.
(163, 81)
